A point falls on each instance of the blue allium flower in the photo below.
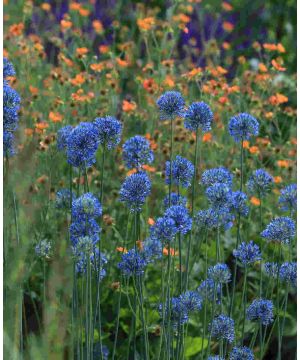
(86, 206)
(97, 351)
(215, 357)
(11, 98)
(222, 327)
(260, 182)
(182, 172)
(260, 310)
(281, 229)
(62, 136)
(198, 116)
(180, 215)
(84, 244)
(11, 106)
(170, 105)
(81, 263)
(288, 273)
(219, 195)
(83, 228)
(191, 301)
(134, 190)
(212, 218)
(8, 144)
(288, 198)
(239, 203)
(220, 273)
(82, 144)
(137, 152)
(175, 199)
(247, 253)
(164, 229)
(217, 175)
(132, 263)
(63, 199)
(241, 353)
(152, 249)
(207, 288)
(43, 249)
(8, 68)
(242, 127)
(272, 269)
(109, 129)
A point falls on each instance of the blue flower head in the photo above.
(62, 136)
(260, 310)
(247, 253)
(170, 105)
(11, 106)
(239, 203)
(181, 217)
(164, 229)
(212, 218)
(85, 207)
(135, 190)
(109, 129)
(217, 175)
(152, 249)
(8, 144)
(281, 229)
(215, 357)
(241, 353)
(198, 116)
(137, 152)
(84, 228)
(81, 262)
(132, 263)
(222, 327)
(8, 68)
(182, 172)
(210, 290)
(82, 144)
(220, 273)
(63, 199)
(175, 199)
(288, 198)
(288, 273)
(271, 269)
(11, 99)
(178, 313)
(191, 301)
(43, 249)
(260, 182)
(219, 195)
(242, 127)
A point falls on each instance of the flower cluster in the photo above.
(241, 353)
(174, 199)
(260, 310)
(260, 182)
(182, 172)
(210, 290)
(64, 199)
(43, 249)
(288, 198)
(217, 175)
(247, 253)
(137, 152)
(219, 273)
(132, 263)
(243, 126)
(170, 105)
(222, 327)
(109, 130)
(179, 214)
(288, 273)
(198, 116)
(281, 229)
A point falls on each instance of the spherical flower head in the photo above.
(137, 152)
(260, 182)
(271, 269)
(85, 207)
(212, 218)
(8, 144)
(241, 353)
(85, 244)
(152, 249)
(82, 144)
(239, 203)
(288, 273)
(8, 68)
(62, 136)
(170, 105)
(10, 118)
(288, 198)
(81, 262)
(247, 253)
(219, 195)
(83, 228)
(198, 116)
(43, 249)
(220, 273)
(215, 357)
(191, 301)
(180, 215)
(132, 263)
(135, 190)
(63, 199)
(11, 98)
(182, 172)
(222, 327)
(260, 310)
(217, 175)
(175, 199)
(242, 127)
(110, 130)
(178, 313)
(281, 229)
(210, 290)
(164, 229)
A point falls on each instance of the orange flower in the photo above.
(16, 29)
(280, 48)
(146, 24)
(55, 117)
(226, 6)
(34, 91)
(82, 51)
(278, 99)
(254, 150)
(149, 168)
(84, 12)
(263, 141)
(140, 245)
(65, 25)
(255, 201)
(130, 172)
(227, 26)
(151, 222)
(121, 249)
(193, 73)
(277, 179)
(41, 126)
(78, 80)
(46, 7)
(223, 100)
(207, 137)
(262, 67)
(97, 26)
(226, 45)
(128, 106)
(103, 49)
(97, 67)
(269, 115)
(169, 81)
(283, 163)
(122, 63)
(28, 132)
(277, 66)
(270, 47)
(246, 144)
(150, 85)
(75, 6)
(172, 252)
(221, 70)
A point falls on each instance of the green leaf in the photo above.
(193, 345)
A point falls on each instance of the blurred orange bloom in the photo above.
(227, 26)
(103, 49)
(283, 163)
(255, 201)
(277, 179)
(16, 29)
(97, 25)
(121, 249)
(146, 24)
(172, 252)
(34, 91)
(278, 99)
(254, 150)
(46, 7)
(78, 80)
(193, 73)
(262, 67)
(226, 6)
(65, 24)
(151, 222)
(128, 106)
(246, 144)
(97, 67)
(149, 168)
(207, 137)
(122, 63)
(55, 117)
(277, 66)
(82, 51)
